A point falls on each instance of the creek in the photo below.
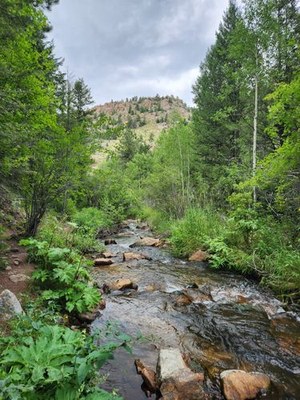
(219, 320)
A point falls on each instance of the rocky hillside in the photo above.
(147, 115)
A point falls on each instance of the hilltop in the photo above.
(148, 116)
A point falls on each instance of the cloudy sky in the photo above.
(125, 48)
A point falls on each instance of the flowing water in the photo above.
(219, 321)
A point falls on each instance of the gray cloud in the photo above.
(125, 48)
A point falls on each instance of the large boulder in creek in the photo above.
(134, 256)
(176, 380)
(9, 305)
(146, 241)
(241, 385)
(199, 255)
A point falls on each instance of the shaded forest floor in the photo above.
(16, 276)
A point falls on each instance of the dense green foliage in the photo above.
(63, 276)
(43, 360)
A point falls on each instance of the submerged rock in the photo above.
(147, 241)
(9, 305)
(176, 380)
(135, 256)
(241, 385)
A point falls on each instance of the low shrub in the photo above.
(63, 275)
(261, 247)
(64, 233)
(41, 361)
(92, 219)
(195, 230)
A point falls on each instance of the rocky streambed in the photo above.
(217, 321)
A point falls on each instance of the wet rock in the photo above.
(192, 286)
(182, 300)
(199, 256)
(147, 241)
(9, 305)
(143, 226)
(212, 358)
(107, 254)
(272, 309)
(176, 380)
(19, 278)
(109, 241)
(122, 284)
(98, 262)
(285, 330)
(228, 295)
(197, 296)
(125, 234)
(135, 256)
(148, 375)
(88, 317)
(153, 287)
(241, 385)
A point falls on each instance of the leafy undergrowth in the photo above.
(63, 276)
(257, 246)
(43, 360)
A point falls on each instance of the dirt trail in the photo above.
(16, 276)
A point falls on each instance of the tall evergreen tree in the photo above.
(220, 104)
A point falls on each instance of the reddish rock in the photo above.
(147, 241)
(148, 375)
(122, 284)
(241, 385)
(177, 381)
(134, 256)
(197, 296)
(199, 256)
(98, 262)
(182, 300)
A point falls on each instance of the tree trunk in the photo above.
(255, 135)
